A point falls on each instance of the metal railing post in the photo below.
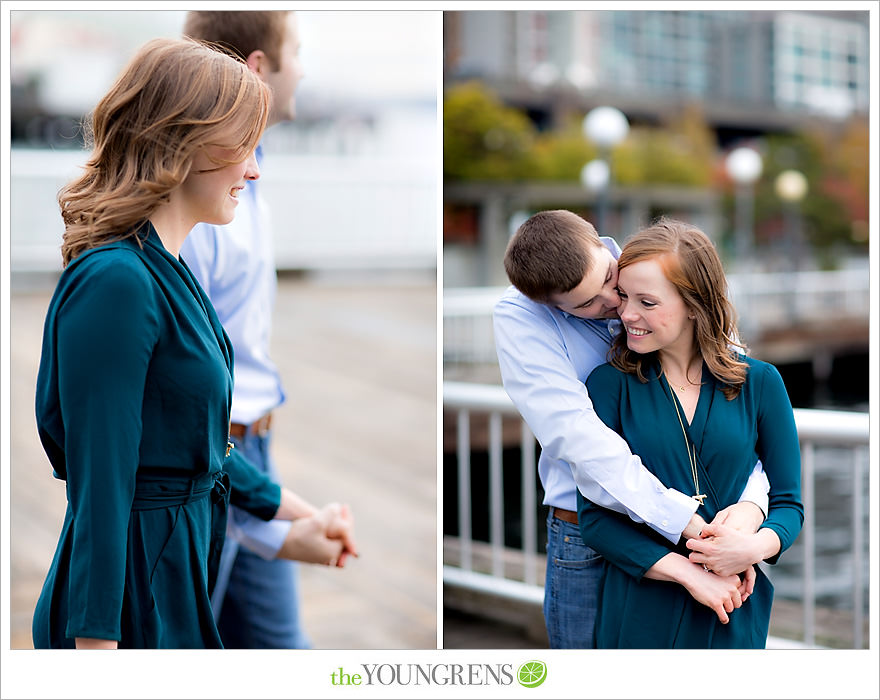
(496, 495)
(858, 550)
(529, 538)
(809, 544)
(464, 487)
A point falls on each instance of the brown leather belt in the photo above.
(258, 427)
(568, 516)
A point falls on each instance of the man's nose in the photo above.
(611, 299)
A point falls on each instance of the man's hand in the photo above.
(694, 527)
(324, 537)
(744, 516)
(340, 527)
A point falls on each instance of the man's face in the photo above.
(284, 81)
(596, 295)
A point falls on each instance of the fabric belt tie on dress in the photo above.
(162, 489)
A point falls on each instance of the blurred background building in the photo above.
(751, 124)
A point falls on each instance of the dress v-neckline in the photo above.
(696, 424)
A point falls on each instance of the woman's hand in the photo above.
(90, 643)
(726, 551)
(720, 593)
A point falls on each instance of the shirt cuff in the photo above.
(678, 514)
(756, 491)
(263, 538)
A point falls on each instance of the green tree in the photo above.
(483, 139)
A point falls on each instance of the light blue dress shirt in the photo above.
(545, 357)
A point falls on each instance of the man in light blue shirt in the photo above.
(552, 328)
(255, 600)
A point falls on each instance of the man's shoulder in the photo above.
(514, 301)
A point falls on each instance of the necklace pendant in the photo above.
(700, 497)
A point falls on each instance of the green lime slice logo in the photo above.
(531, 674)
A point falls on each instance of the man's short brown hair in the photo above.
(550, 254)
(241, 33)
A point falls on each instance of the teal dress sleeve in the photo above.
(104, 338)
(252, 490)
(779, 450)
(633, 547)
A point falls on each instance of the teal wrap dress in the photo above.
(132, 406)
(730, 436)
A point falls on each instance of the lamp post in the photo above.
(606, 127)
(791, 187)
(744, 165)
(595, 176)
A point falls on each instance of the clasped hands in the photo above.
(323, 537)
(726, 551)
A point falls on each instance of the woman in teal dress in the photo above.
(135, 379)
(699, 414)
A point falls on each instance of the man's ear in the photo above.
(258, 62)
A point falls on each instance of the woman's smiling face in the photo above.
(210, 192)
(652, 311)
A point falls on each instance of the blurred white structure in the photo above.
(328, 212)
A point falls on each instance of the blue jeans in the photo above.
(574, 572)
(256, 601)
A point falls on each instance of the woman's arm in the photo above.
(722, 594)
(105, 332)
(725, 550)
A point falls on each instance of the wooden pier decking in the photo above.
(359, 362)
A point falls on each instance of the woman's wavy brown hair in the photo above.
(176, 96)
(691, 263)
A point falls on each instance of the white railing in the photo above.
(763, 300)
(815, 428)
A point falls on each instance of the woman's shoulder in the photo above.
(116, 259)
(606, 374)
(114, 271)
(759, 370)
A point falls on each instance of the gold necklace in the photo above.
(680, 386)
(691, 453)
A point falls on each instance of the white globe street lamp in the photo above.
(744, 165)
(595, 175)
(791, 187)
(606, 127)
